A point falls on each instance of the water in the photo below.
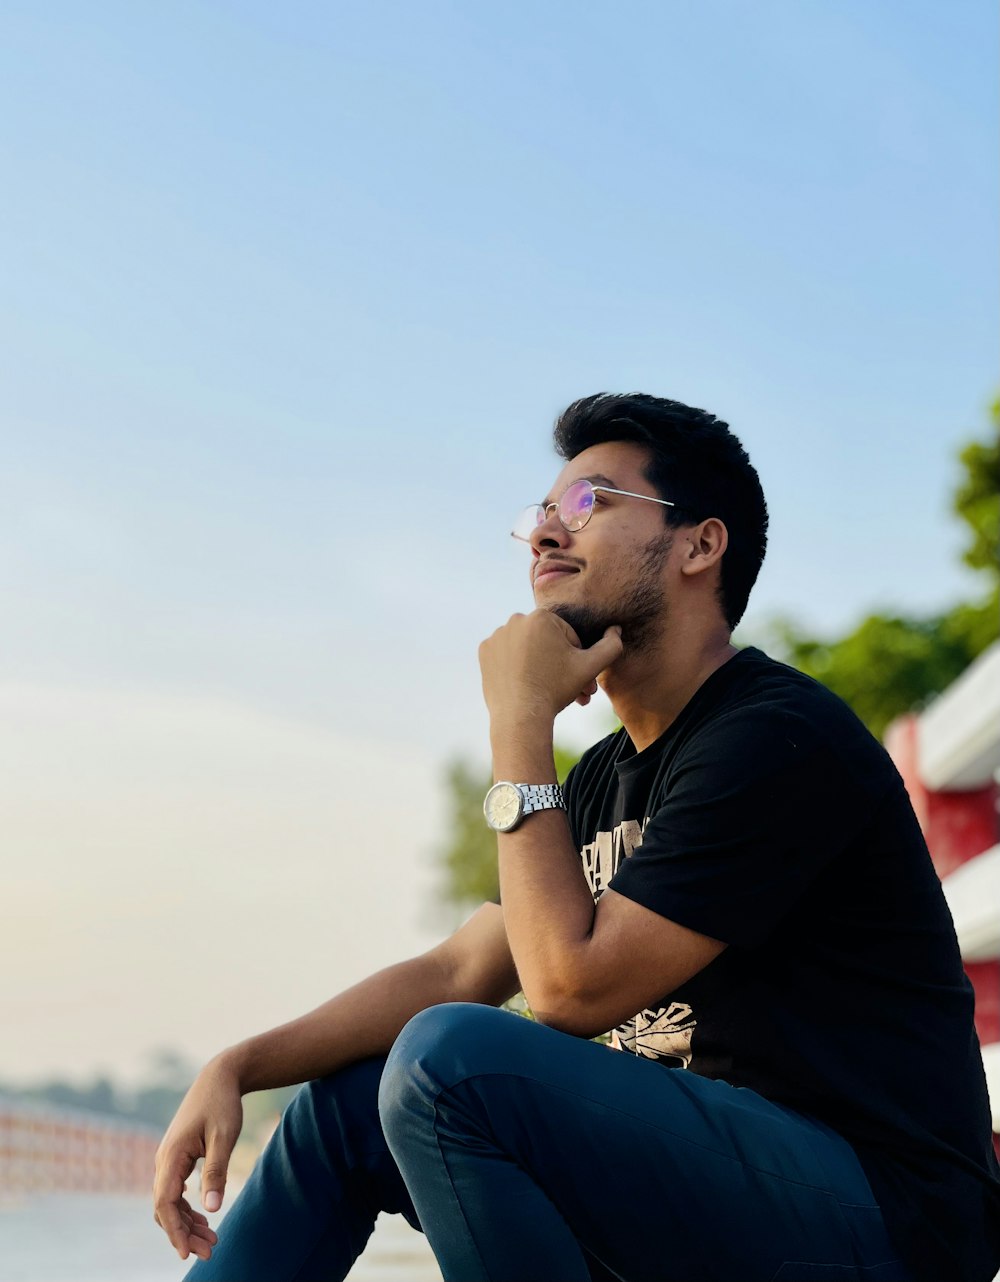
(98, 1237)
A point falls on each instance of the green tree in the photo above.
(891, 664)
(977, 500)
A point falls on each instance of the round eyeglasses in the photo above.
(574, 509)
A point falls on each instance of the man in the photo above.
(734, 883)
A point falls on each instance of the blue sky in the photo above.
(291, 296)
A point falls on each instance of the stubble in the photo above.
(640, 610)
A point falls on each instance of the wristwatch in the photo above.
(506, 803)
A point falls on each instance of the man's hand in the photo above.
(534, 666)
(207, 1124)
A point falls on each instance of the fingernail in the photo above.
(212, 1201)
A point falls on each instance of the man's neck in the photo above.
(648, 690)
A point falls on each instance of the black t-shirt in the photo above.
(768, 817)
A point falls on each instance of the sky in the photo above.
(291, 296)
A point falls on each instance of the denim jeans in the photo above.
(527, 1155)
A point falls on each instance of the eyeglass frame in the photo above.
(605, 489)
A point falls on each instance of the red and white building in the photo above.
(48, 1149)
(949, 757)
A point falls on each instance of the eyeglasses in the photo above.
(574, 509)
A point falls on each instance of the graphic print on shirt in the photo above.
(662, 1033)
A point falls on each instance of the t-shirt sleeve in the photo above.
(755, 810)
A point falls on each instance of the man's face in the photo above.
(616, 569)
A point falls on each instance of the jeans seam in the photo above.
(454, 1192)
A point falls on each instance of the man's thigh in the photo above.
(660, 1174)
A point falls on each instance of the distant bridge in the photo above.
(47, 1148)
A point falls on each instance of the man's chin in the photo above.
(588, 625)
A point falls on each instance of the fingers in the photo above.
(584, 697)
(201, 1236)
(608, 648)
(188, 1230)
(601, 655)
(195, 1221)
(568, 632)
(168, 1198)
(213, 1173)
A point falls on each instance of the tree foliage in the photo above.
(153, 1102)
(977, 500)
(891, 664)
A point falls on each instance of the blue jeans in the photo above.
(527, 1155)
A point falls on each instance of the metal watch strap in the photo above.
(541, 796)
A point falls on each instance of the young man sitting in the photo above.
(734, 883)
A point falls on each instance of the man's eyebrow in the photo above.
(595, 478)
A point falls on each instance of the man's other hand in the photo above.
(207, 1124)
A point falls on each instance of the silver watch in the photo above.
(507, 804)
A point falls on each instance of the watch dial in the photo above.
(504, 806)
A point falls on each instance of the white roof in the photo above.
(958, 737)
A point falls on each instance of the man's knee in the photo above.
(439, 1047)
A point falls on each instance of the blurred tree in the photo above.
(168, 1068)
(169, 1076)
(892, 664)
(101, 1096)
(977, 500)
(262, 1107)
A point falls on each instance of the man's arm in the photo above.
(584, 968)
(473, 965)
(577, 961)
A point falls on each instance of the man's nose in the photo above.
(551, 533)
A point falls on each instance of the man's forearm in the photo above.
(472, 965)
(548, 908)
(361, 1021)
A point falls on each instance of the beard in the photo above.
(639, 610)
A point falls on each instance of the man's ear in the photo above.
(706, 544)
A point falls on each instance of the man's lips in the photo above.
(551, 570)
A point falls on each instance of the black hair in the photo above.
(696, 462)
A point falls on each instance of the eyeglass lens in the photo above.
(574, 509)
(576, 505)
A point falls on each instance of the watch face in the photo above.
(503, 805)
